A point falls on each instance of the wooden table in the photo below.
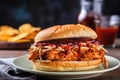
(112, 75)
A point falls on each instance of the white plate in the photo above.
(24, 64)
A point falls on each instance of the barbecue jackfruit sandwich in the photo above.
(70, 47)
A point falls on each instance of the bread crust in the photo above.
(65, 31)
(66, 65)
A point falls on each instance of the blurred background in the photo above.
(46, 13)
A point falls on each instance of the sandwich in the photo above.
(70, 47)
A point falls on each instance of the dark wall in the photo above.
(111, 7)
(45, 13)
(42, 13)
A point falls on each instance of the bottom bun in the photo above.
(66, 65)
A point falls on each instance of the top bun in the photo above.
(65, 31)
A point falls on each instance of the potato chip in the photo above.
(8, 31)
(1, 33)
(12, 32)
(18, 37)
(4, 38)
(31, 37)
(4, 27)
(25, 28)
(36, 29)
(33, 33)
(24, 40)
(25, 33)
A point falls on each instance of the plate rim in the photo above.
(66, 73)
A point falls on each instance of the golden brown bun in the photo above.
(66, 65)
(65, 31)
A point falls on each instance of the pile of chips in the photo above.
(25, 33)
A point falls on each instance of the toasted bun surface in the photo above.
(65, 31)
(66, 65)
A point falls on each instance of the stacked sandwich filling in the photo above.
(75, 49)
